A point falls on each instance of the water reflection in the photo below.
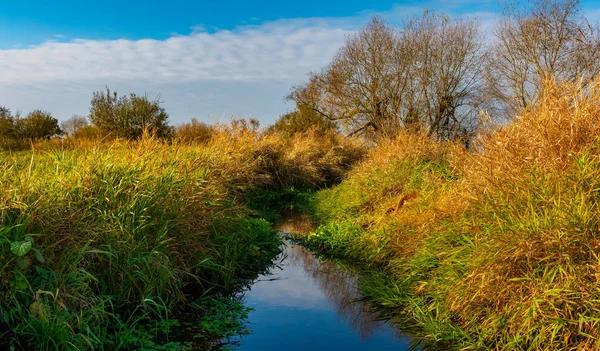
(340, 288)
(308, 304)
(292, 222)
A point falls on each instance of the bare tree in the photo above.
(446, 74)
(425, 76)
(73, 125)
(551, 40)
(359, 88)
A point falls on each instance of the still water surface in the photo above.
(304, 303)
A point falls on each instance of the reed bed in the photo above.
(494, 248)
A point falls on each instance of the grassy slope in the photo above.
(97, 240)
(495, 249)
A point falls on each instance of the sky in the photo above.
(209, 60)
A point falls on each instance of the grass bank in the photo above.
(490, 249)
(101, 242)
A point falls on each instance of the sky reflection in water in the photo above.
(306, 304)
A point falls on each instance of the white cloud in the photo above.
(204, 74)
(276, 51)
(198, 28)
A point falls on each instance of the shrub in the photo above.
(87, 132)
(129, 116)
(37, 125)
(19, 132)
(302, 120)
(194, 132)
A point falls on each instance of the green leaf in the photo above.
(20, 248)
(19, 282)
(23, 263)
(38, 255)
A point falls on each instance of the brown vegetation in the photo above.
(499, 250)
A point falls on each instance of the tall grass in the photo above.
(490, 249)
(99, 239)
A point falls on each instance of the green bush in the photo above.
(129, 117)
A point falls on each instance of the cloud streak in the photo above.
(277, 51)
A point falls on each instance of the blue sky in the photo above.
(31, 22)
(208, 59)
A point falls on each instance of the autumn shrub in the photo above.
(533, 275)
(310, 160)
(302, 120)
(128, 117)
(18, 133)
(193, 132)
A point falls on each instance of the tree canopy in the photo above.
(36, 125)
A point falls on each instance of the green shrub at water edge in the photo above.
(96, 243)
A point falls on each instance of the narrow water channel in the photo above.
(305, 303)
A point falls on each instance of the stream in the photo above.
(305, 303)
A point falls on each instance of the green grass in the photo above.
(95, 242)
(101, 244)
